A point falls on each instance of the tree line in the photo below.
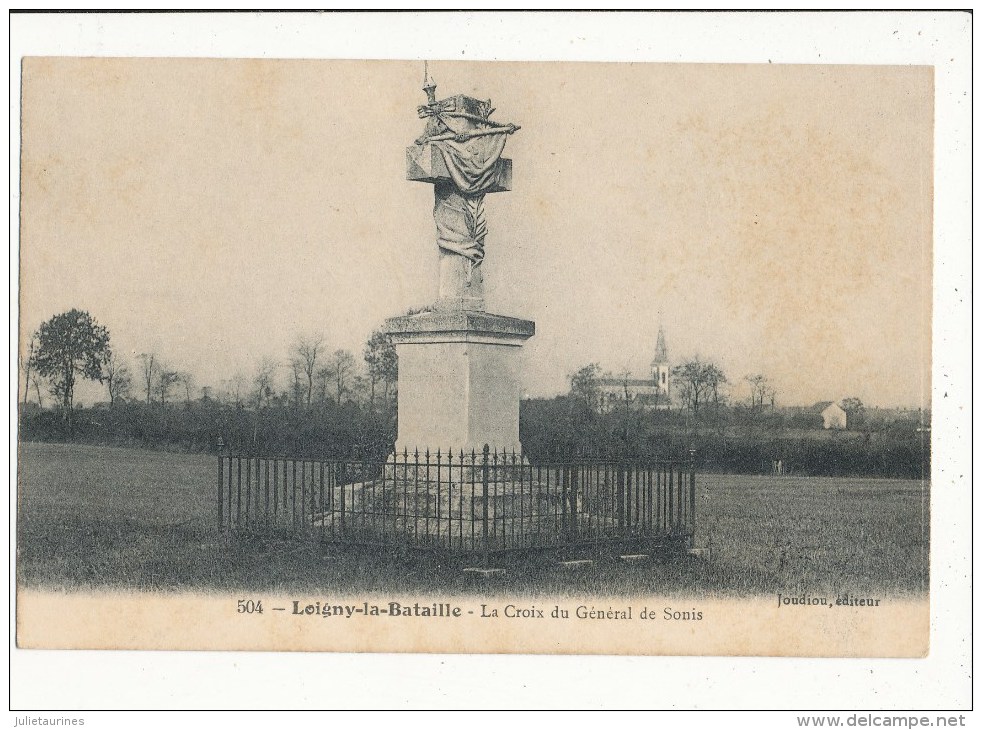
(599, 417)
(325, 395)
(73, 346)
(330, 404)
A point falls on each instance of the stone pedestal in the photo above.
(459, 380)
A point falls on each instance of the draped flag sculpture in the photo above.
(459, 153)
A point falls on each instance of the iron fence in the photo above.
(470, 503)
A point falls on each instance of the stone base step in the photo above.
(485, 572)
(575, 564)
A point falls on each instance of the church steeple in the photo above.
(660, 370)
(661, 350)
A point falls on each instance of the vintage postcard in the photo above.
(493, 357)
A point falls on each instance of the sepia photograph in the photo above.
(494, 356)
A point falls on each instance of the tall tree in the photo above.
(29, 365)
(698, 382)
(627, 398)
(761, 391)
(342, 367)
(262, 382)
(297, 374)
(383, 364)
(855, 412)
(262, 391)
(70, 345)
(186, 378)
(166, 379)
(148, 368)
(236, 389)
(117, 377)
(585, 386)
(37, 389)
(323, 376)
(305, 353)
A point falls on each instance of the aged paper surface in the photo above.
(641, 626)
(209, 210)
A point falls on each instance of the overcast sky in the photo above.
(778, 217)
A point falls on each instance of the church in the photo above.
(652, 392)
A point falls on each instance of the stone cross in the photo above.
(459, 372)
(459, 153)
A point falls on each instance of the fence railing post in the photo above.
(620, 497)
(692, 493)
(562, 477)
(221, 484)
(484, 506)
(574, 494)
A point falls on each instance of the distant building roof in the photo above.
(629, 382)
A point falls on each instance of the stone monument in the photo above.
(459, 381)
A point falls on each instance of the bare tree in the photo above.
(628, 398)
(323, 377)
(117, 377)
(188, 381)
(37, 389)
(148, 367)
(28, 364)
(31, 377)
(304, 355)
(166, 379)
(383, 364)
(262, 382)
(760, 391)
(359, 389)
(235, 388)
(262, 390)
(698, 382)
(585, 387)
(342, 366)
(296, 371)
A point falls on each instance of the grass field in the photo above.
(99, 517)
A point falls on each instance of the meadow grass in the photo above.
(94, 517)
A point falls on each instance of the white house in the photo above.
(833, 415)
